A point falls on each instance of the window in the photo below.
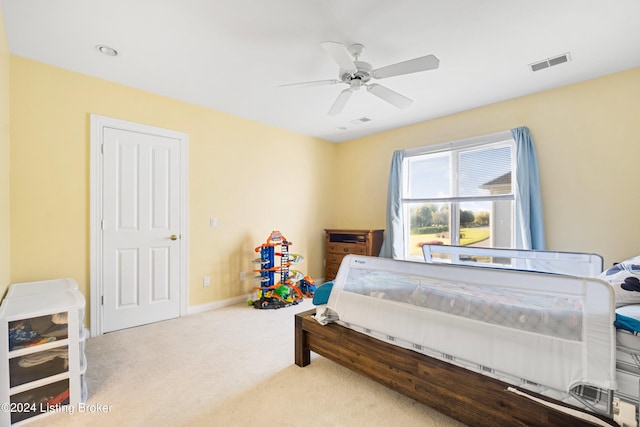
(459, 194)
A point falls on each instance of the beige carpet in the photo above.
(229, 367)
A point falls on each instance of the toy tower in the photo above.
(287, 291)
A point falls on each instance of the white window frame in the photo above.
(485, 141)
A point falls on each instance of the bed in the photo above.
(487, 346)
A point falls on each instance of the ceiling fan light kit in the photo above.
(356, 74)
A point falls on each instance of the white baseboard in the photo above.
(218, 304)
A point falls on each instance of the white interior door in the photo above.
(141, 227)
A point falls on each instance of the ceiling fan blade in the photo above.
(341, 55)
(312, 83)
(340, 102)
(392, 97)
(424, 63)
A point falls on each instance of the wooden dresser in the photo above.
(344, 242)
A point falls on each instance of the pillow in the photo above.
(322, 293)
(625, 280)
(628, 318)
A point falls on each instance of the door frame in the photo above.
(97, 124)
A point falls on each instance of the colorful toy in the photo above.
(287, 291)
(307, 286)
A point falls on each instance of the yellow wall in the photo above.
(5, 272)
(585, 134)
(587, 138)
(253, 178)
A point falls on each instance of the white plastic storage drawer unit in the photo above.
(42, 337)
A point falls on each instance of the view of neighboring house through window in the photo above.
(459, 195)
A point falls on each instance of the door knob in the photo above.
(173, 237)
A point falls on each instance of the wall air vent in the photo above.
(550, 62)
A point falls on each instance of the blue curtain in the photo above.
(529, 223)
(393, 245)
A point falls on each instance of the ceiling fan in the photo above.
(356, 74)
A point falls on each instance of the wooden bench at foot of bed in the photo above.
(467, 396)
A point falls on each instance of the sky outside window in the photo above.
(430, 176)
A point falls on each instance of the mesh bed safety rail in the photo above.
(533, 326)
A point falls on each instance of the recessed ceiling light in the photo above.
(109, 51)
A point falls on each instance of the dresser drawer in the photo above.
(347, 248)
(331, 270)
(335, 258)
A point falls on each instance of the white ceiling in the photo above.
(231, 55)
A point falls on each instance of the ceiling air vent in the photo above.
(550, 62)
(361, 120)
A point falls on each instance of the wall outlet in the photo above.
(206, 281)
(243, 276)
(213, 222)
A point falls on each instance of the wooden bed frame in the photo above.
(467, 396)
